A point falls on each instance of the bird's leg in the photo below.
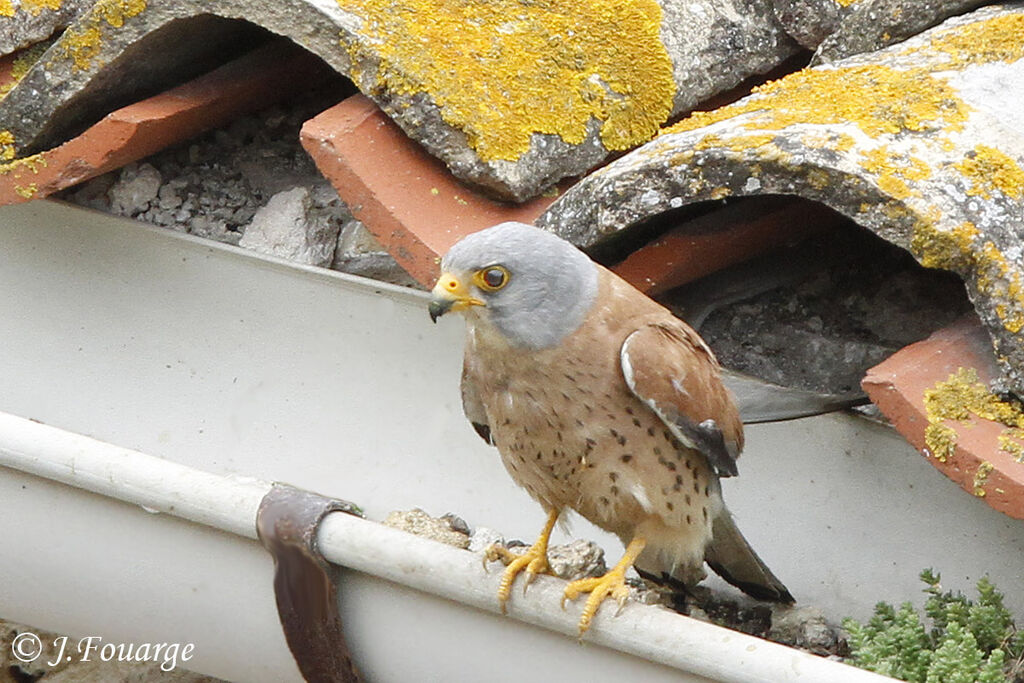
(534, 560)
(611, 584)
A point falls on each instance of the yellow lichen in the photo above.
(739, 143)
(990, 169)
(502, 71)
(23, 61)
(893, 170)
(981, 477)
(8, 150)
(26, 191)
(31, 163)
(959, 399)
(6, 8)
(114, 12)
(941, 441)
(682, 158)
(946, 250)
(1012, 441)
(82, 45)
(35, 7)
(877, 99)
(997, 278)
(82, 42)
(995, 275)
(817, 178)
(981, 42)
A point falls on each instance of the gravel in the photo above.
(818, 315)
(249, 183)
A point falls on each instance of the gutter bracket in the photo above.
(307, 597)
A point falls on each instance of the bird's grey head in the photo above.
(532, 286)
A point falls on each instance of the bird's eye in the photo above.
(492, 278)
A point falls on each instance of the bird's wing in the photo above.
(473, 407)
(669, 368)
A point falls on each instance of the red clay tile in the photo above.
(898, 387)
(405, 197)
(138, 130)
(737, 232)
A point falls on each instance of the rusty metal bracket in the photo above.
(306, 594)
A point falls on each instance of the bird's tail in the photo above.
(734, 560)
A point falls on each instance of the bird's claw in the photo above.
(538, 565)
(495, 552)
(534, 561)
(613, 585)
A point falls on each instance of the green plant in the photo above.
(969, 641)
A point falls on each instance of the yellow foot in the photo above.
(612, 584)
(534, 561)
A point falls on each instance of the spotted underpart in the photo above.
(572, 433)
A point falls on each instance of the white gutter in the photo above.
(231, 503)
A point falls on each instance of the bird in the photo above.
(600, 401)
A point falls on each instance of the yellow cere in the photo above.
(961, 398)
(503, 70)
(82, 41)
(989, 169)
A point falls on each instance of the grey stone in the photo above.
(819, 314)
(708, 46)
(870, 25)
(456, 523)
(483, 538)
(359, 253)
(137, 188)
(214, 228)
(839, 30)
(291, 227)
(95, 193)
(29, 25)
(809, 22)
(647, 593)
(418, 522)
(212, 187)
(805, 628)
(919, 143)
(576, 560)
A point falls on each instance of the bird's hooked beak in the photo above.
(450, 294)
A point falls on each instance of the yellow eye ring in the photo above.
(491, 278)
